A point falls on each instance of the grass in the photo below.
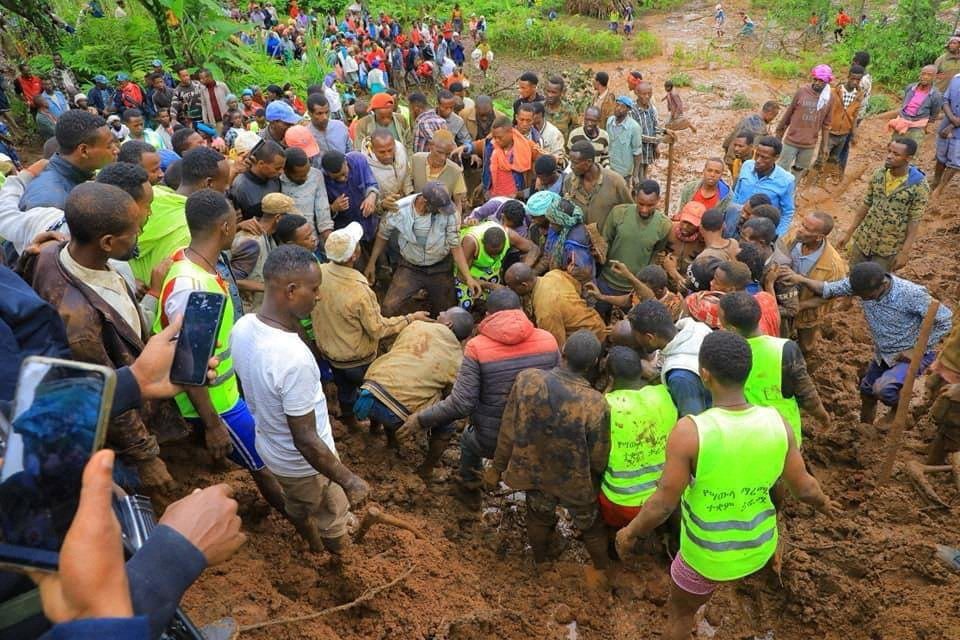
(740, 101)
(681, 79)
(646, 45)
(696, 56)
(704, 88)
(781, 68)
(878, 103)
(529, 36)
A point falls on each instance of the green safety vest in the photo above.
(485, 266)
(224, 392)
(640, 421)
(728, 522)
(763, 385)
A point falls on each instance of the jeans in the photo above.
(471, 457)
(348, 383)
(688, 392)
(730, 219)
(884, 382)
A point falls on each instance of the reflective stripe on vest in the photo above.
(764, 384)
(224, 392)
(728, 522)
(484, 266)
(640, 421)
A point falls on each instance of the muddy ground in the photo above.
(868, 574)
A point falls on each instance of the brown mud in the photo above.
(869, 574)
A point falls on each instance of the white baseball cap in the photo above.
(342, 243)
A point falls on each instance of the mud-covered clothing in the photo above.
(608, 191)
(507, 344)
(559, 308)
(802, 122)
(829, 265)
(554, 436)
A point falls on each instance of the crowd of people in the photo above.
(600, 352)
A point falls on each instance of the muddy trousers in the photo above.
(542, 518)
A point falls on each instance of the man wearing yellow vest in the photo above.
(217, 409)
(720, 465)
(641, 418)
(484, 247)
(778, 377)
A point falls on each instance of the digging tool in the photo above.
(375, 515)
(666, 206)
(903, 403)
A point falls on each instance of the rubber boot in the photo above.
(435, 449)
(538, 535)
(336, 546)
(595, 539)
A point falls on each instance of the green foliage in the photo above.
(681, 79)
(691, 56)
(781, 68)
(528, 36)
(796, 13)
(740, 101)
(646, 45)
(704, 87)
(110, 46)
(913, 38)
(878, 103)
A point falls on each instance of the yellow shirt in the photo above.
(892, 182)
(559, 309)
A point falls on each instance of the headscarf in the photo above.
(825, 73)
(566, 215)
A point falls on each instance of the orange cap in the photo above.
(300, 137)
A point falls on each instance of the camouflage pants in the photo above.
(945, 414)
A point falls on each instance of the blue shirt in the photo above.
(57, 102)
(626, 141)
(55, 182)
(780, 185)
(336, 137)
(894, 318)
(360, 182)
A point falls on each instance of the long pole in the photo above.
(903, 403)
(666, 206)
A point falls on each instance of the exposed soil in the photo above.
(868, 574)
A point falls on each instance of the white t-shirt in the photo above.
(280, 378)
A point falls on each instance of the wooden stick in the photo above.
(365, 596)
(903, 403)
(666, 206)
(375, 515)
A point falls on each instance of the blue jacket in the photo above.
(359, 184)
(100, 98)
(780, 185)
(55, 182)
(28, 327)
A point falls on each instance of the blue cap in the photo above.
(247, 92)
(625, 100)
(157, 63)
(167, 158)
(122, 76)
(280, 110)
(207, 129)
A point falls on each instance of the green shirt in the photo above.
(165, 231)
(632, 240)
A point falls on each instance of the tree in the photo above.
(158, 10)
(39, 13)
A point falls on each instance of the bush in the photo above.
(740, 101)
(681, 79)
(704, 88)
(693, 56)
(781, 68)
(646, 45)
(528, 37)
(878, 103)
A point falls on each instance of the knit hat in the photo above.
(278, 203)
(341, 244)
(539, 202)
(300, 137)
(245, 141)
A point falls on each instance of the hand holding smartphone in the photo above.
(198, 337)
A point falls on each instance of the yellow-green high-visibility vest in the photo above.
(224, 392)
(764, 384)
(640, 421)
(485, 266)
(728, 522)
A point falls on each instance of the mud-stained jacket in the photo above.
(554, 436)
(508, 343)
(97, 334)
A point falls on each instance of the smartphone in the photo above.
(198, 337)
(60, 415)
